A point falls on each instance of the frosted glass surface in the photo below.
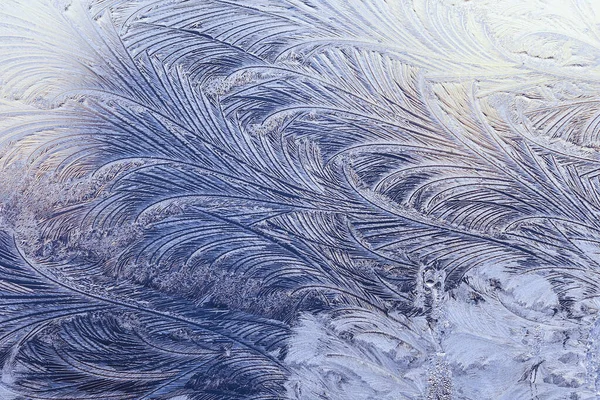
(299, 199)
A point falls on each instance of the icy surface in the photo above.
(300, 199)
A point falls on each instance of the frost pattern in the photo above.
(299, 199)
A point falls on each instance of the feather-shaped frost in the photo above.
(235, 199)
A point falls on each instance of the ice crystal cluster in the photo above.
(300, 199)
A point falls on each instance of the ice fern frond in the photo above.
(195, 193)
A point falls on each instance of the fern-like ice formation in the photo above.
(299, 199)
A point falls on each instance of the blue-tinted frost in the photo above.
(299, 199)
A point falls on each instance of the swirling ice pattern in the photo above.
(299, 199)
